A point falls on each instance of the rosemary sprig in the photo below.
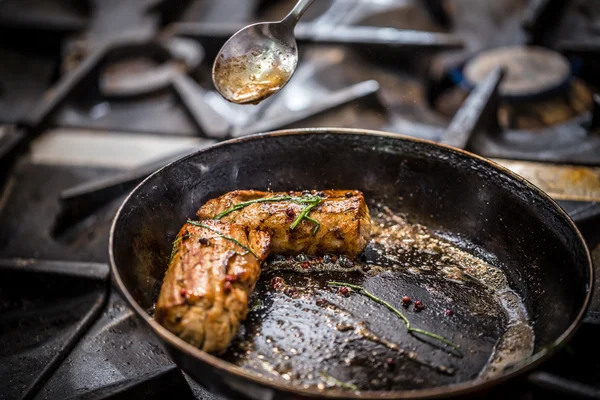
(244, 204)
(304, 214)
(360, 289)
(200, 224)
(310, 201)
(339, 383)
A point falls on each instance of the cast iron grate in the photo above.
(87, 351)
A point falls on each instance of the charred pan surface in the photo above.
(343, 215)
(213, 270)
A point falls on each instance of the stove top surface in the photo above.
(97, 95)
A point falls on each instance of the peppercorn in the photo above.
(449, 312)
(344, 291)
(230, 278)
(419, 306)
(389, 362)
(227, 286)
(406, 300)
(290, 213)
(321, 302)
(183, 292)
(203, 241)
(305, 265)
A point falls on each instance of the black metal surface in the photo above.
(206, 119)
(44, 15)
(218, 11)
(45, 308)
(569, 143)
(81, 201)
(23, 80)
(479, 111)
(589, 49)
(31, 205)
(539, 17)
(181, 56)
(12, 143)
(393, 39)
(114, 351)
(580, 381)
(557, 384)
(87, 70)
(32, 31)
(438, 12)
(581, 212)
(283, 323)
(446, 190)
(160, 384)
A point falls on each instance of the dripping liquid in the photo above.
(251, 78)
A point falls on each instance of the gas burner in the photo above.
(531, 71)
(538, 89)
(136, 76)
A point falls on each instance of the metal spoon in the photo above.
(258, 60)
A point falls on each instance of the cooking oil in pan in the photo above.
(301, 329)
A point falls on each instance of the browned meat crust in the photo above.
(343, 214)
(204, 296)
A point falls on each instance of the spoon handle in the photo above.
(294, 16)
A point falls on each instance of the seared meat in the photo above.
(204, 296)
(343, 215)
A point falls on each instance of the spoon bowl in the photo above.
(258, 60)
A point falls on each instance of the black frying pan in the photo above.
(486, 209)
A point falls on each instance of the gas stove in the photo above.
(96, 95)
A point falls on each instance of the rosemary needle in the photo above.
(360, 289)
(200, 224)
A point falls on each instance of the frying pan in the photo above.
(487, 210)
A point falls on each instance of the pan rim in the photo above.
(455, 389)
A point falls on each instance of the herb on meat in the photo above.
(360, 289)
(310, 202)
(179, 239)
(200, 224)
